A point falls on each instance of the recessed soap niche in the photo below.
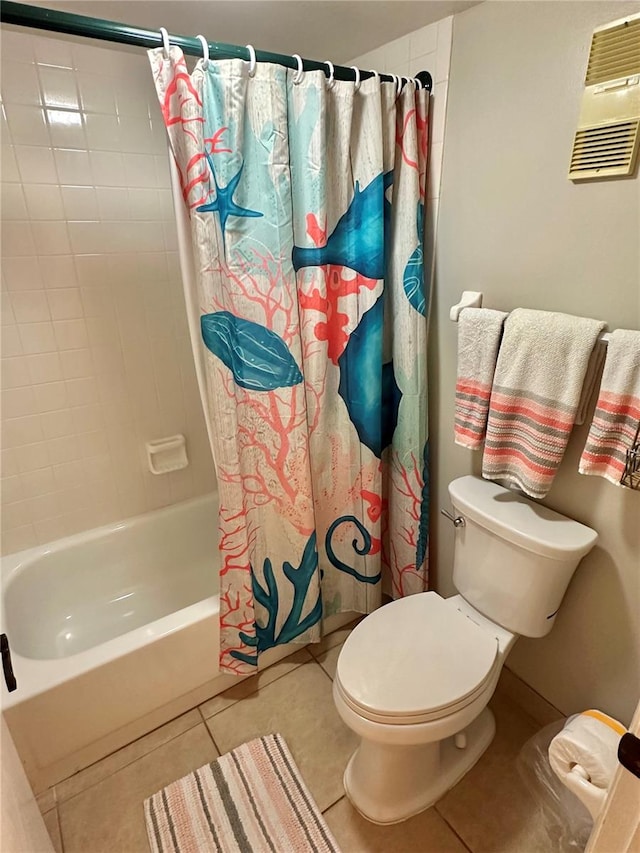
(167, 454)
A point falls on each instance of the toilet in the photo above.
(414, 678)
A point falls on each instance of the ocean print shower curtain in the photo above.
(306, 203)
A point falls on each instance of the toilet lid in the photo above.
(414, 657)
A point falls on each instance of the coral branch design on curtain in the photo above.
(307, 207)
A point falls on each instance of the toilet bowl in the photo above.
(413, 681)
(414, 678)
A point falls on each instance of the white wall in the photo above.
(512, 225)
(96, 358)
(22, 826)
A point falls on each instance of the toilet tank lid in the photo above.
(521, 521)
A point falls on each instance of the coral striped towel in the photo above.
(540, 372)
(252, 800)
(479, 333)
(617, 413)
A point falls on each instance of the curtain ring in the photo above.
(398, 80)
(205, 51)
(332, 72)
(165, 42)
(375, 73)
(356, 71)
(417, 82)
(297, 77)
(253, 62)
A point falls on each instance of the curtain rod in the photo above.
(23, 15)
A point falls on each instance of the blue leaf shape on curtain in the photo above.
(359, 549)
(294, 625)
(368, 387)
(258, 358)
(358, 240)
(423, 527)
(413, 277)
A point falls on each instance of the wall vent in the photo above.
(615, 51)
(608, 135)
(610, 147)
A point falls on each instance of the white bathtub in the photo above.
(65, 599)
(112, 632)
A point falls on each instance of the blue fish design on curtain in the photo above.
(258, 358)
(367, 386)
(358, 240)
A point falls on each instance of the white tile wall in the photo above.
(96, 357)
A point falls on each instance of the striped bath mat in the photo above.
(252, 800)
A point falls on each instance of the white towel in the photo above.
(589, 739)
(479, 333)
(536, 391)
(617, 413)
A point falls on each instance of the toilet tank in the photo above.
(513, 558)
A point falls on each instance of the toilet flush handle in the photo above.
(458, 520)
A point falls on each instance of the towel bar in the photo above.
(473, 299)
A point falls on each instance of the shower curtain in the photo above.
(306, 201)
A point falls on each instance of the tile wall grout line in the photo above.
(59, 824)
(335, 803)
(318, 654)
(251, 693)
(452, 828)
(203, 720)
(213, 741)
(51, 788)
(330, 677)
(128, 764)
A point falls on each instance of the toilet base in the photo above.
(389, 784)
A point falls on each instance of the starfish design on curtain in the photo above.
(223, 202)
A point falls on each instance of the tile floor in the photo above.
(100, 808)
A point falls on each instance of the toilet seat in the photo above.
(415, 660)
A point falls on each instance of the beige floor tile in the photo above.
(329, 660)
(426, 833)
(299, 706)
(336, 638)
(490, 808)
(250, 685)
(46, 800)
(132, 752)
(53, 828)
(109, 818)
